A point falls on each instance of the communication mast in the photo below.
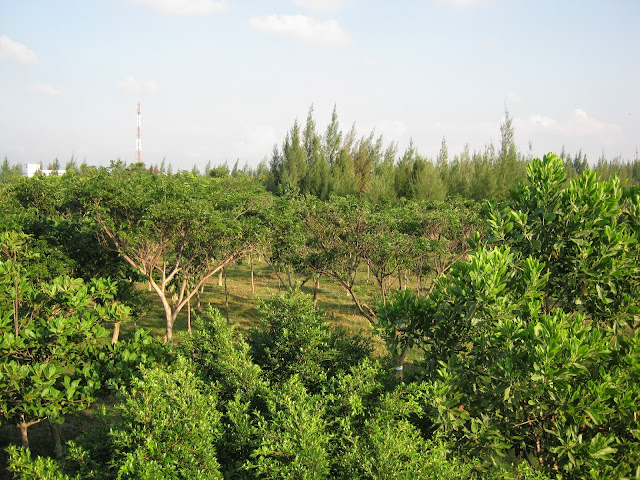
(138, 140)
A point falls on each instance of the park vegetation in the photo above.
(500, 299)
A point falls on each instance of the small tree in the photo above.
(177, 231)
(50, 333)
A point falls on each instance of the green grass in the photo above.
(243, 303)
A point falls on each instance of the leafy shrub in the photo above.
(120, 362)
(293, 435)
(169, 427)
(294, 338)
(221, 357)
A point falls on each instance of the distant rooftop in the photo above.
(30, 169)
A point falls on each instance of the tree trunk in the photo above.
(198, 301)
(23, 433)
(23, 426)
(382, 290)
(253, 287)
(226, 294)
(363, 308)
(401, 359)
(189, 316)
(220, 277)
(168, 315)
(116, 332)
(316, 285)
(55, 435)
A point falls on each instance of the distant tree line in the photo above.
(342, 163)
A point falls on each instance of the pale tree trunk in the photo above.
(198, 300)
(168, 336)
(189, 316)
(116, 332)
(253, 286)
(23, 426)
(23, 433)
(401, 359)
(220, 278)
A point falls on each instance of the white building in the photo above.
(30, 169)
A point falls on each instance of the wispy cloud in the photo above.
(15, 51)
(320, 6)
(580, 123)
(186, 7)
(514, 97)
(462, 3)
(303, 29)
(44, 89)
(134, 87)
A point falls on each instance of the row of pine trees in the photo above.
(346, 164)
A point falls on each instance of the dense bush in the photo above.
(294, 338)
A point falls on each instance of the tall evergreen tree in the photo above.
(317, 176)
(333, 139)
(442, 161)
(294, 163)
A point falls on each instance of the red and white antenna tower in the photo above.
(138, 140)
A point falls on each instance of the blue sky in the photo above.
(221, 80)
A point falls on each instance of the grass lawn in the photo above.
(243, 303)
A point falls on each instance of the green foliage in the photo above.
(294, 435)
(527, 349)
(178, 230)
(221, 358)
(586, 234)
(48, 209)
(120, 362)
(49, 335)
(24, 467)
(168, 428)
(293, 338)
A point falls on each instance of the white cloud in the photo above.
(134, 87)
(320, 6)
(392, 129)
(15, 51)
(303, 29)
(514, 97)
(543, 121)
(578, 124)
(186, 7)
(44, 89)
